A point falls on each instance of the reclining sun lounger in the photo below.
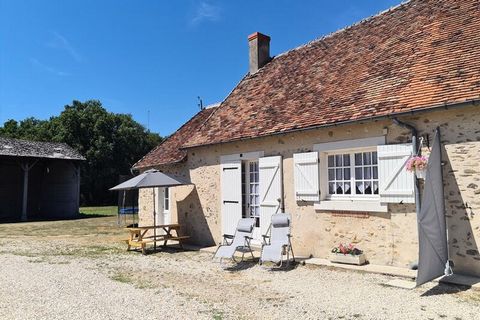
(277, 244)
(240, 241)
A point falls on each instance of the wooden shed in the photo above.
(39, 180)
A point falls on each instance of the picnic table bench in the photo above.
(138, 236)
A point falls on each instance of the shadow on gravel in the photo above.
(443, 288)
(244, 265)
(286, 268)
(170, 249)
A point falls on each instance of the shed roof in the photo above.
(418, 55)
(169, 150)
(36, 149)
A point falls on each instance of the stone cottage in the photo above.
(323, 131)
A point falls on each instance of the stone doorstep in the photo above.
(371, 268)
(457, 279)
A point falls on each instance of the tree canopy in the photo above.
(110, 142)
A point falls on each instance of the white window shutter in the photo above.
(270, 189)
(306, 176)
(231, 195)
(395, 182)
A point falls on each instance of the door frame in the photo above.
(255, 155)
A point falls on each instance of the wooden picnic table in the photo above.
(138, 237)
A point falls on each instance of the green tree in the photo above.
(111, 143)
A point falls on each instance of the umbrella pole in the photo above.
(154, 223)
(122, 208)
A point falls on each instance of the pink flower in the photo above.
(417, 163)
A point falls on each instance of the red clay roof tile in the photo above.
(420, 54)
(169, 150)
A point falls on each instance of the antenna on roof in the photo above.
(148, 120)
(200, 103)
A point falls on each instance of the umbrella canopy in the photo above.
(432, 233)
(149, 179)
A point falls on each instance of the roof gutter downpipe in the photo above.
(414, 133)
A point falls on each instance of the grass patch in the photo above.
(135, 280)
(121, 277)
(99, 211)
(217, 315)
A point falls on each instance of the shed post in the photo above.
(77, 171)
(26, 168)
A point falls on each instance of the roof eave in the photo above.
(466, 103)
(135, 167)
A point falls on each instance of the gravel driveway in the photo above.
(84, 273)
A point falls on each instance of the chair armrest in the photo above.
(265, 237)
(227, 239)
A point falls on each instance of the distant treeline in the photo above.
(110, 142)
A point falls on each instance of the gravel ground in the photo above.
(70, 278)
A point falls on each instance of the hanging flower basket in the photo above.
(418, 164)
(421, 174)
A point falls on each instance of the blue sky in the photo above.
(147, 57)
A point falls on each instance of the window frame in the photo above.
(324, 180)
(166, 200)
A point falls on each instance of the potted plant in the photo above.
(418, 164)
(347, 254)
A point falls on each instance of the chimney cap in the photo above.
(256, 35)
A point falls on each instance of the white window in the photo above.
(166, 200)
(352, 174)
(250, 190)
(349, 175)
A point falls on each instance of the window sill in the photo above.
(353, 205)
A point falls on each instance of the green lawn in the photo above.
(99, 211)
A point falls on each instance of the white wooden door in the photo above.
(167, 218)
(270, 190)
(231, 195)
(159, 209)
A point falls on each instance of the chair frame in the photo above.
(244, 249)
(286, 248)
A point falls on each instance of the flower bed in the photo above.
(347, 254)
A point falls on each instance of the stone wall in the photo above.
(387, 238)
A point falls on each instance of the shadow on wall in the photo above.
(191, 215)
(462, 246)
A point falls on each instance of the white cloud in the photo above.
(205, 12)
(60, 42)
(48, 68)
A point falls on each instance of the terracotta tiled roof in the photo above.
(420, 54)
(169, 150)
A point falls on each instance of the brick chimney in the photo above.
(259, 45)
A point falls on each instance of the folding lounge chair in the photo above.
(239, 242)
(277, 244)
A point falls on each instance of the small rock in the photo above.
(472, 252)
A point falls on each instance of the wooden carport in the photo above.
(39, 180)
